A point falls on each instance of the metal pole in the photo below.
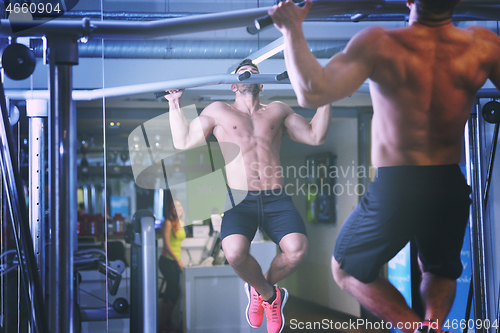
(489, 171)
(37, 111)
(20, 219)
(93, 200)
(149, 276)
(166, 27)
(488, 93)
(143, 297)
(86, 202)
(62, 178)
(88, 95)
(476, 216)
(216, 21)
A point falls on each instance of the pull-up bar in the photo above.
(481, 9)
(88, 95)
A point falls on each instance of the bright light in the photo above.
(269, 53)
(266, 52)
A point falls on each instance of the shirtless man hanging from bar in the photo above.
(257, 130)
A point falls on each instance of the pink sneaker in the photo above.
(255, 311)
(274, 311)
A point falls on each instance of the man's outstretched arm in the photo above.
(184, 136)
(314, 84)
(494, 42)
(313, 133)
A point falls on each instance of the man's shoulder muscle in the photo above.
(366, 43)
(279, 105)
(370, 35)
(213, 109)
(216, 106)
(484, 35)
(279, 108)
(482, 32)
(489, 47)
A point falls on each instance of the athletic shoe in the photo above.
(255, 311)
(274, 311)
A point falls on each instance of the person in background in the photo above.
(170, 263)
(81, 209)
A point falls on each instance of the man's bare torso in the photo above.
(258, 135)
(423, 87)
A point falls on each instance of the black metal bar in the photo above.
(476, 218)
(489, 172)
(459, 14)
(469, 305)
(62, 180)
(119, 29)
(129, 16)
(488, 93)
(363, 9)
(215, 21)
(498, 308)
(20, 221)
(398, 15)
(485, 200)
(282, 76)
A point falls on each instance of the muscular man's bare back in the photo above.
(423, 87)
(258, 135)
(423, 80)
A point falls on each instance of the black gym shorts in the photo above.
(272, 210)
(427, 203)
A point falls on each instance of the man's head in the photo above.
(246, 62)
(435, 9)
(254, 89)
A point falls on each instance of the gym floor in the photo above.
(298, 312)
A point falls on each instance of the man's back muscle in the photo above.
(423, 87)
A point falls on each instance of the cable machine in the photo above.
(62, 37)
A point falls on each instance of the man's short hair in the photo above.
(246, 62)
(437, 6)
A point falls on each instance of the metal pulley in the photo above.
(491, 112)
(18, 61)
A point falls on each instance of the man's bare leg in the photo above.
(380, 297)
(237, 247)
(294, 250)
(237, 251)
(438, 294)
